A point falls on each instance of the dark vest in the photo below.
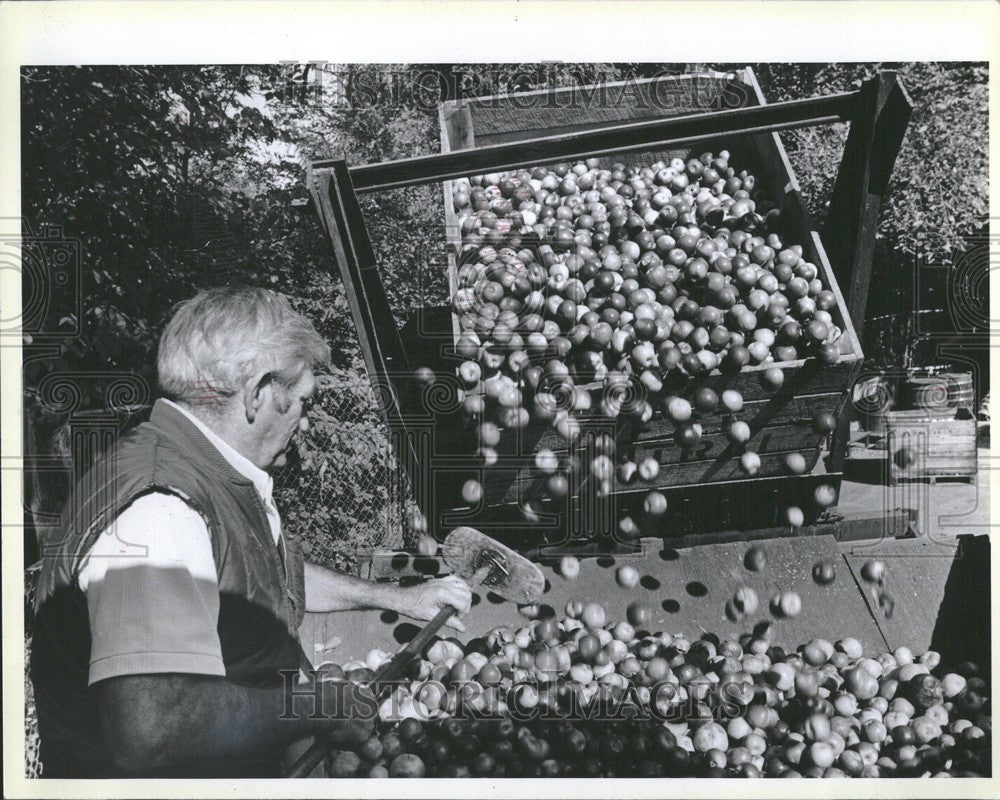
(261, 596)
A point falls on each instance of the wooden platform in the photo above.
(940, 590)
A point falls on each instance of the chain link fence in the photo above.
(343, 491)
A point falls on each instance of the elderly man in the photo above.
(165, 637)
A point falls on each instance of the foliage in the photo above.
(938, 197)
(342, 478)
(939, 186)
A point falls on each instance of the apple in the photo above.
(545, 406)
(794, 516)
(569, 567)
(627, 576)
(750, 462)
(602, 468)
(795, 463)
(861, 684)
(638, 614)
(755, 559)
(678, 409)
(688, 435)
(745, 600)
(424, 375)
(824, 573)
(557, 486)
(406, 765)
(738, 433)
(655, 504)
(649, 468)
(824, 422)
(705, 399)
(873, 571)
(772, 378)
(828, 353)
(626, 525)
(489, 434)
(593, 615)
(825, 495)
(472, 492)
(546, 462)
(474, 405)
(789, 604)
(470, 372)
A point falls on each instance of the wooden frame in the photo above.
(878, 114)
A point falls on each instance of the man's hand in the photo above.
(425, 600)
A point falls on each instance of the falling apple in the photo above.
(750, 462)
(472, 491)
(569, 567)
(627, 576)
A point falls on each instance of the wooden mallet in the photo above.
(481, 561)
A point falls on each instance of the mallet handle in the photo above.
(390, 670)
(394, 668)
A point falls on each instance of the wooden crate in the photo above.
(781, 423)
(922, 447)
(428, 431)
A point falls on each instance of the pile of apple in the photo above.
(587, 696)
(584, 696)
(633, 280)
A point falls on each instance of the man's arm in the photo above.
(156, 661)
(154, 722)
(327, 590)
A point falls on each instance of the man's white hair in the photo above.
(221, 338)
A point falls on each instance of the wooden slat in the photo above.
(453, 122)
(800, 378)
(764, 439)
(757, 415)
(520, 445)
(565, 110)
(785, 188)
(778, 167)
(385, 357)
(873, 143)
(772, 465)
(603, 141)
(590, 106)
(700, 510)
(712, 452)
(504, 484)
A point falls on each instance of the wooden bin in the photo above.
(781, 423)
(924, 447)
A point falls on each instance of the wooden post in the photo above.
(334, 199)
(875, 137)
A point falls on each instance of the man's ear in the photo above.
(253, 393)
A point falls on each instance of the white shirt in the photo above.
(151, 582)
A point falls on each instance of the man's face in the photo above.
(277, 426)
